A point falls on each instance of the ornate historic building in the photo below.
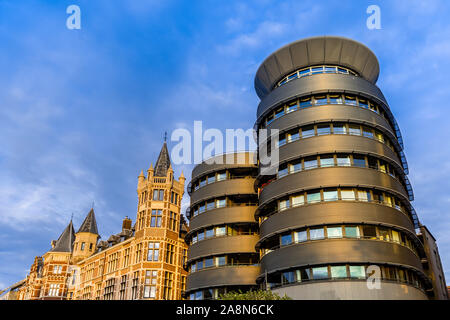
(143, 261)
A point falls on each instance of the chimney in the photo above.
(126, 224)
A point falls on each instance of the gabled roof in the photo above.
(89, 224)
(65, 240)
(163, 162)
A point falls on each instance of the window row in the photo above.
(224, 230)
(155, 220)
(320, 100)
(219, 203)
(333, 128)
(304, 72)
(221, 176)
(336, 160)
(215, 293)
(347, 271)
(158, 195)
(340, 194)
(370, 232)
(244, 259)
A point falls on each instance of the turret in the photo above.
(86, 238)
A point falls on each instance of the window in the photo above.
(292, 136)
(300, 236)
(354, 130)
(384, 234)
(57, 269)
(202, 208)
(350, 100)
(283, 204)
(326, 161)
(291, 108)
(221, 203)
(295, 167)
(153, 251)
(347, 194)
(287, 277)
(286, 239)
(221, 231)
(338, 271)
(82, 246)
(170, 253)
(305, 103)
(363, 103)
(156, 218)
(209, 262)
(310, 163)
(168, 282)
(335, 99)
(210, 205)
(279, 112)
(317, 70)
(123, 287)
(364, 195)
(320, 273)
(200, 236)
(343, 160)
(330, 195)
(323, 129)
(172, 221)
(150, 284)
(395, 236)
(370, 232)
(316, 233)
(334, 232)
(367, 132)
(357, 272)
(351, 232)
(135, 285)
(304, 275)
(221, 176)
(339, 128)
(220, 261)
(209, 233)
(53, 290)
(211, 179)
(298, 200)
(320, 100)
(308, 131)
(109, 289)
(359, 161)
(158, 194)
(313, 197)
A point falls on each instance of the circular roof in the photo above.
(314, 51)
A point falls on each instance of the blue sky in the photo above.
(83, 111)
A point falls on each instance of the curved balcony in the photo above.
(351, 290)
(333, 113)
(223, 245)
(340, 251)
(336, 143)
(224, 161)
(223, 188)
(331, 177)
(222, 276)
(312, 51)
(219, 216)
(320, 83)
(328, 213)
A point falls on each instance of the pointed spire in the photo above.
(182, 174)
(142, 174)
(65, 240)
(151, 167)
(89, 224)
(163, 162)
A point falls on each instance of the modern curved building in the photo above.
(223, 230)
(338, 208)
